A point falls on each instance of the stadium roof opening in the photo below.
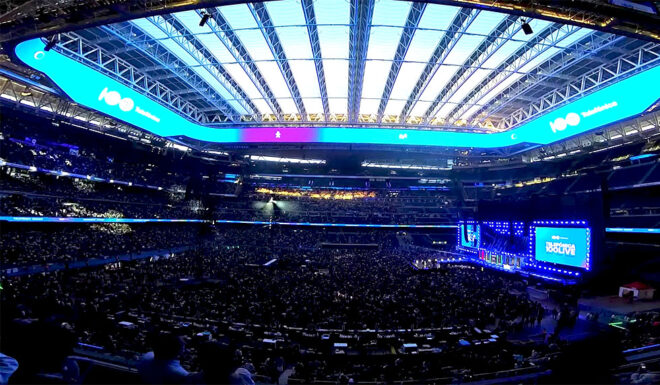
(325, 71)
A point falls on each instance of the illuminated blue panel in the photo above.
(563, 245)
(95, 90)
(632, 230)
(225, 221)
(97, 220)
(312, 224)
(470, 235)
(92, 89)
(643, 156)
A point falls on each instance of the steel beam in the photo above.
(20, 19)
(499, 36)
(77, 48)
(641, 128)
(223, 31)
(312, 31)
(361, 15)
(458, 26)
(547, 38)
(550, 69)
(44, 103)
(178, 32)
(603, 75)
(261, 16)
(409, 29)
(158, 53)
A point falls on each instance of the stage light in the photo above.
(51, 43)
(205, 18)
(283, 160)
(527, 28)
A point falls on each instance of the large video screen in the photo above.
(469, 235)
(98, 91)
(504, 237)
(564, 246)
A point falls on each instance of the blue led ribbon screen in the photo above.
(95, 90)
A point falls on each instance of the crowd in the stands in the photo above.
(642, 328)
(385, 207)
(31, 148)
(26, 244)
(37, 244)
(241, 304)
(29, 194)
(22, 144)
(228, 301)
(65, 153)
(19, 204)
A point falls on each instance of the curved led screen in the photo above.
(100, 92)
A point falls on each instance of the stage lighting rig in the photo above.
(205, 18)
(52, 42)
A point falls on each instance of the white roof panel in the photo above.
(237, 78)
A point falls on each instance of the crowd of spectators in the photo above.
(28, 194)
(29, 244)
(37, 244)
(36, 205)
(22, 144)
(385, 207)
(33, 194)
(641, 328)
(228, 294)
(37, 148)
(32, 145)
(268, 301)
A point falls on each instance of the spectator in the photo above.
(220, 366)
(162, 365)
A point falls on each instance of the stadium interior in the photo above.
(329, 192)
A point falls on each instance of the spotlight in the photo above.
(527, 28)
(205, 18)
(51, 42)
